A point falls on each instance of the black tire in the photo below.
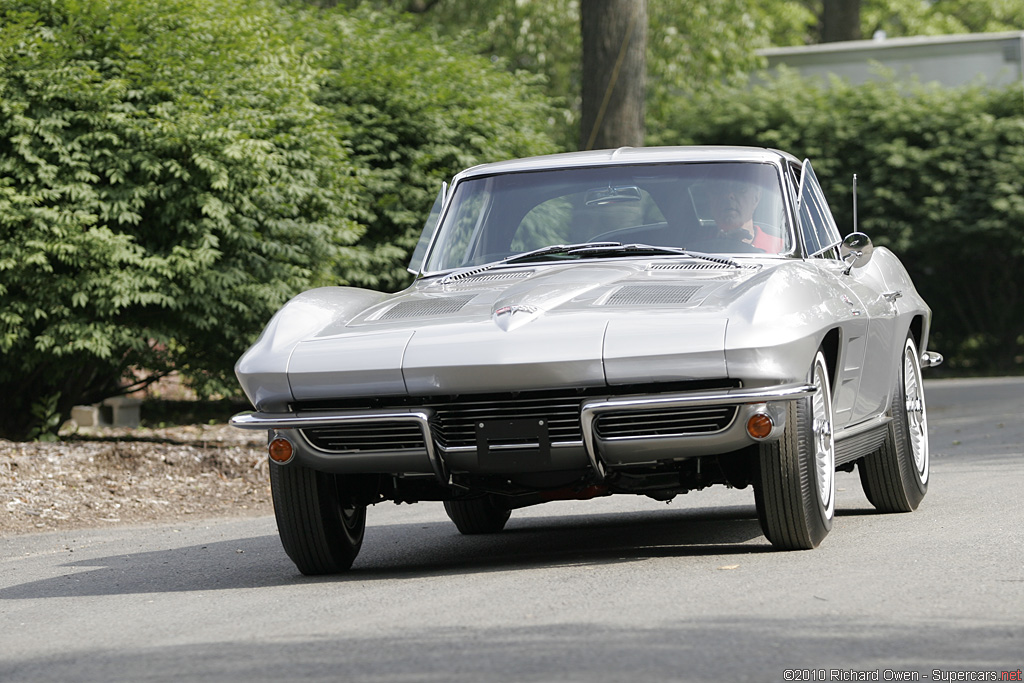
(320, 527)
(477, 515)
(895, 477)
(795, 484)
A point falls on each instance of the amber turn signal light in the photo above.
(281, 450)
(759, 426)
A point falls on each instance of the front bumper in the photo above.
(614, 432)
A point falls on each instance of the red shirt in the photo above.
(769, 243)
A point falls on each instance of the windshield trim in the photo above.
(474, 174)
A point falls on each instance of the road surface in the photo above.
(617, 589)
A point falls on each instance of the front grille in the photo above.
(669, 422)
(457, 421)
(456, 418)
(366, 436)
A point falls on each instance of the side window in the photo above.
(817, 226)
(416, 260)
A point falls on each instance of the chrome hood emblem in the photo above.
(510, 317)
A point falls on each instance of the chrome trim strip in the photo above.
(509, 447)
(293, 421)
(591, 409)
(863, 427)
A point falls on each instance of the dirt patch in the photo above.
(103, 476)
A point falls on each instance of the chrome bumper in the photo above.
(590, 411)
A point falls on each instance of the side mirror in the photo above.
(416, 261)
(856, 250)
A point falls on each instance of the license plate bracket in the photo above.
(514, 445)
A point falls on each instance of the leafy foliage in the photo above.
(939, 183)
(911, 17)
(415, 111)
(543, 37)
(171, 171)
(166, 182)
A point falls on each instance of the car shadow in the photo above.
(549, 541)
(416, 550)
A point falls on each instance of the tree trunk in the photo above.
(614, 34)
(840, 20)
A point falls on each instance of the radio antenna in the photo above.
(855, 202)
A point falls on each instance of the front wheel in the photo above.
(795, 483)
(320, 525)
(895, 477)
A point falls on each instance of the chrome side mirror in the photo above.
(856, 250)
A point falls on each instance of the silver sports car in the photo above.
(634, 321)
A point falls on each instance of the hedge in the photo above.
(939, 181)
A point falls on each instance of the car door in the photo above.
(865, 316)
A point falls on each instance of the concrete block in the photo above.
(86, 416)
(127, 412)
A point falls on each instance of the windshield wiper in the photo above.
(550, 250)
(584, 249)
(628, 249)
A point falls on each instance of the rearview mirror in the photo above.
(856, 250)
(603, 196)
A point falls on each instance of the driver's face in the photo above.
(733, 203)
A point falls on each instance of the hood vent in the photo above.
(648, 295)
(698, 265)
(425, 308)
(488, 278)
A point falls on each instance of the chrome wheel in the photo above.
(917, 416)
(824, 444)
(895, 477)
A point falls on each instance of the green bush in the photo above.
(166, 182)
(416, 110)
(939, 176)
(171, 171)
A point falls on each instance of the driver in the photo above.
(732, 206)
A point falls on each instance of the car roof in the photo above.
(629, 155)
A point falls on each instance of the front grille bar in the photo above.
(593, 409)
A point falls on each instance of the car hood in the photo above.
(509, 329)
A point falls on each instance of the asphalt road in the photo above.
(618, 589)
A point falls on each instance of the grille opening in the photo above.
(669, 422)
(456, 417)
(366, 436)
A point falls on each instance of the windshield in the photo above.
(719, 208)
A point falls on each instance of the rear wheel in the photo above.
(795, 484)
(477, 515)
(321, 527)
(895, 477)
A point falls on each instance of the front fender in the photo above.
(262, 369)
(778, 323)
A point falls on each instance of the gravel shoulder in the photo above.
(103, 476)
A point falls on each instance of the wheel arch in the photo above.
(917, 331)
(830, 345)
